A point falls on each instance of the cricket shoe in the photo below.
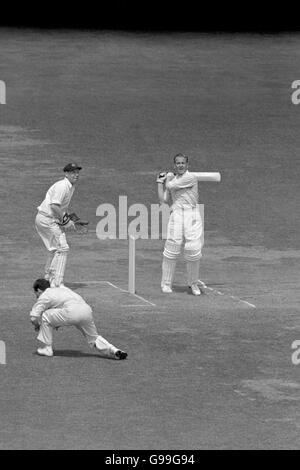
(120, 355)
(46, 351)
(195, 289)
(202, 286)
(166, 290)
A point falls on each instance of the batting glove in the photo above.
(161, 177)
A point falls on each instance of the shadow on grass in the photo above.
(75, 285)
(186, 289)
(73, 353)
(177, 288)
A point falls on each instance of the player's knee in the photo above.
(192, 255)
(193, 244)
(172, 250)
(46, 318)
(63, 248)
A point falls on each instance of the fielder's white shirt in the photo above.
(55, 297)
(60, 193)
(184, 190)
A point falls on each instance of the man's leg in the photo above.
(192, 258)
(59, 260)
(51, 318)
(170, 255)
(87, 327)
(193, 248)
(172, 251)
(48, 272)
(44, 229)
(55, 241)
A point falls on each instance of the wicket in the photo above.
(2, 92)
(131, 265)
(2, 353)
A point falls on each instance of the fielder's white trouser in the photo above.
(55, 241)
(184, 227)
(78, 314)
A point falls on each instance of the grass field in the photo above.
(213, 372)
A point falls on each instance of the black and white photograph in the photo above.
(150, 243)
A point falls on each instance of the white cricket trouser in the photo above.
(78, 314)
(55, 241)
(184, 228)
(185, 225)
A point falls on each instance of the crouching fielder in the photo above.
(60, 306)
(185, 225)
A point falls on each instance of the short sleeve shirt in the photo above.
(59, 193)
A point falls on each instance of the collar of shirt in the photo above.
(180, 176)
(68, 183)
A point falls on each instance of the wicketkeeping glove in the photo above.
(73, 219)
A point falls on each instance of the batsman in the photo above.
(185, 227)
(52, 221)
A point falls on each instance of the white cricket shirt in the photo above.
(55, 297)
(60, 193)
(184, 190)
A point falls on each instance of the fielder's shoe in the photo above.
(166, 290)
(120, 355)
(46, 351)
(195, 289)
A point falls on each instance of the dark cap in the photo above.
(72, 167)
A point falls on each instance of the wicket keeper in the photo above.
(50, 227)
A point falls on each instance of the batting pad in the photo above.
(192, 255)
(172, 250)
(193, 271)
(168, 271)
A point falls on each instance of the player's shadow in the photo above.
(75, 285)
(185, 289)
(73, 353)
(180, 289)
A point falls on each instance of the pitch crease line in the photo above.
(138, 296)
(116, 287)
(135, 305)
(222, 293)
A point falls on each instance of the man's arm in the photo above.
(58, 213)
(185, 181)
(163, 194)
(57, 197)
(42, 304)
